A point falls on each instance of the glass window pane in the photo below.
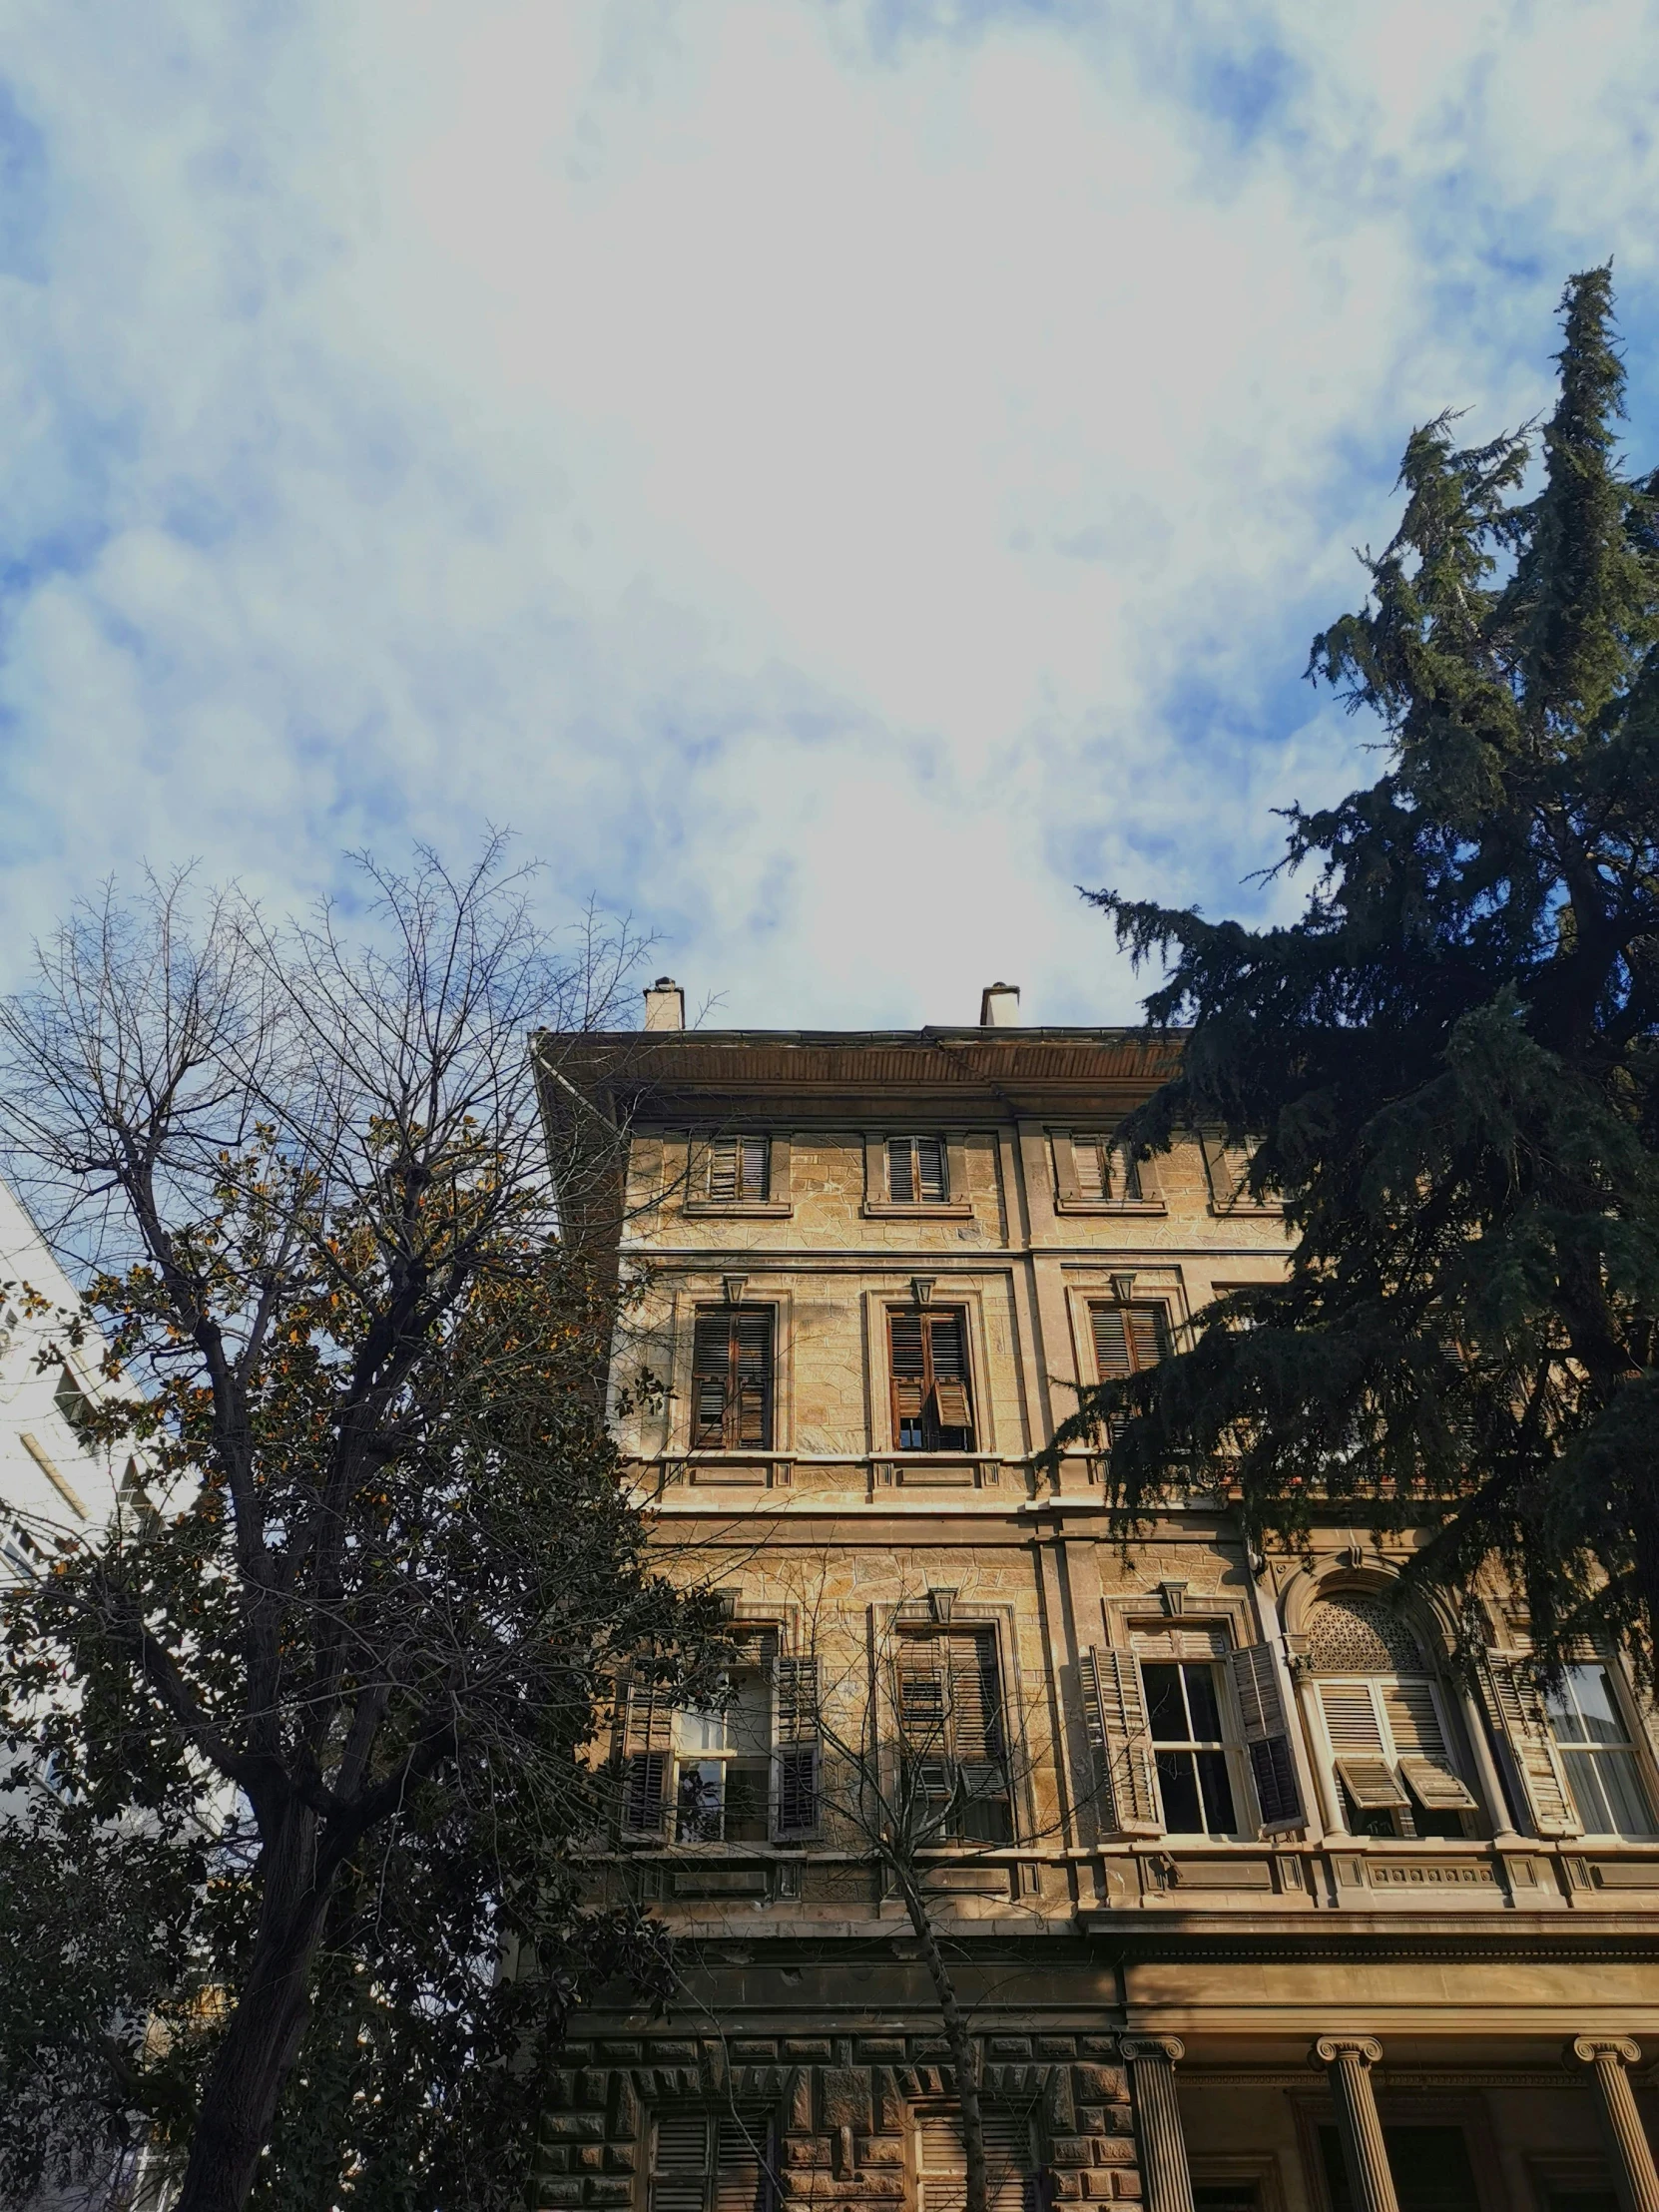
(1598, 1709)
(749, 1716)
(697, 1806)
(1218, 1793)
(1166, 1711)
(1608, 1793)
(745, 1805)
(1203, 1705)
(1178, 1787)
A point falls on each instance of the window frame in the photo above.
(1634, 1746)
(947, 1752)
(879, 1203)
(1163, 1328)
(1410, 1810)
(1228, 1193)
(1228, 1744)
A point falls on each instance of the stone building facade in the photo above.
(1256, 1902)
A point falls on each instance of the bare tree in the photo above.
(381, 1569)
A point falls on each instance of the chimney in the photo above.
(999, 1007)
(664, 1004)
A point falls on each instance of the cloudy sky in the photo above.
(832, 474)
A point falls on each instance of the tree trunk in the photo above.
(246, 2082)
(956, 2035)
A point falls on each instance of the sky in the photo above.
(832, 476)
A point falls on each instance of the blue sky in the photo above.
(832, 474)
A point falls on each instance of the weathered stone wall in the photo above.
(839, 2108)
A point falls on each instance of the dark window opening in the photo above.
(1430, 2168)
(1183, 1709)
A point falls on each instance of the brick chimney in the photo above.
(664, 1004)
(999, 1007)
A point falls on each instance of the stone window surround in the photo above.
(948, 1290)
(956, 1205)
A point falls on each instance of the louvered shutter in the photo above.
(1420, 1751)
(1147, 1335)
(901, 1181)
(953, 1407)
(910, 1368)
(752, 1334)
(711, 1377)
(647, 1742)
(941, 2161)
(1088, 1167)
(931, 1170)
(723, 1170)
(796, 1694)
(1267, 1737)
(921, 1696)
(1111, 1343)
(739, 2163)
(1357, 1746)
(973, 1694)
(753, 1162)
(1517, 1713)
(1129, 1798)
(680, 2162)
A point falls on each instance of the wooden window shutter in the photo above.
(974, 1697)
(1128, 1338)
(931, 1177)
(795, 1692)
(1267, 1737)
(680, 2162)
(732, 1379)
(739, 1168)
(1517, 1713)
(901, 1178)
(751, 1361)
(1422, 1754)
(1090, 1172)
(1129, 1792)
(910, 1368)
(920, 1690)
(947, 1347)
(1065, 1173)
(646, 1741)
(1357, 1746)
(741, 2162)
(723, 1170)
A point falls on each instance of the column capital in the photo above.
(1168, 2048)
(1330, 2048)
(1588, 2049)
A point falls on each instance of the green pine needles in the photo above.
(1448, 1068)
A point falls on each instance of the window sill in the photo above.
(739, 1209)
(1248, 1212)
(1140, 1206)
(935, 1210)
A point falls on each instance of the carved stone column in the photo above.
(1152, 2062)
(1347, 2061)
(1621, 2124)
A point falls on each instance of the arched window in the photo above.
(1386, 1719)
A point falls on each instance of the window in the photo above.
(739, 1170)
(742, 1770)
(1128, 1338)
(917, 1171)
(932, 1406)
(949, 1698)
(1384, 1715)
(72, 1401)
(732, 1379)
(1430, 2168)
(1596, 1752)
(1183, 1711)
(941, 2162)
(709, 2162)
(1105, 1174)
(1228, 1168)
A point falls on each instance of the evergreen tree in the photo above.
(1449, 1067)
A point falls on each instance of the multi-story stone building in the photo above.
(1254, 1897)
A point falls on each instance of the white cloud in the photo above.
(832, 478)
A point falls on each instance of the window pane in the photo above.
(1203, 1705)
(745, 1805)
(1608, 1793)
(697, 1806)
(1178, 1787)
(1592, 1692)
(1218, 1793)
(1165, 1708)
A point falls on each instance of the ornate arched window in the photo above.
(1386, 1719)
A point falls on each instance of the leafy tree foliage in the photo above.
(298, 1744)
(1450, 1066)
